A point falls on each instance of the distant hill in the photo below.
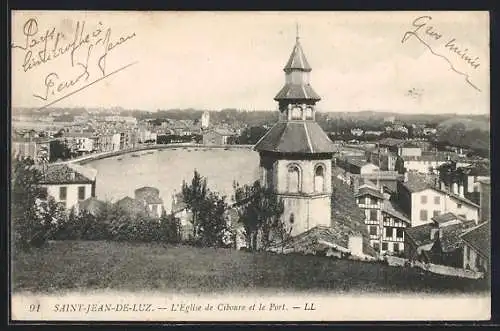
(470, 124)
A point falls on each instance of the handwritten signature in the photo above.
(41, 48)
(423, 29)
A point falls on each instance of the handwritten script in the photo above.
(426, 33)
(87, 54)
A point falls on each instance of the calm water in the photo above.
(166, 169)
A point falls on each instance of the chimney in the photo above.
(461, 189)
(72, 175)
(434, 233)
(454, 187)
(355, 245)
(442, 185)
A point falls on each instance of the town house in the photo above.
(419, 198)
(69, 183)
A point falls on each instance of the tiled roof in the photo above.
(297, 59)
(479, 238)
(417, 183)
(446, 217)
(358, 162)
(296, 137)
(148, 194)
(297, 91)
(130, 205)
(421, 235)
(65, 174)
(347, 216)
(393, 209)
(450, 235)
(309, 240)
(369, 191)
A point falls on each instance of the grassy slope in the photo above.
(126, 266)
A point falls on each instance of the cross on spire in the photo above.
(297, 31)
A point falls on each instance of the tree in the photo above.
(170, 228)
(213, 222)
(259, 210)
(25, 192)
(59, 151)
(194, 196)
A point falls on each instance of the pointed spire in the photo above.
(297, 59)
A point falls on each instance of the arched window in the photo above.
(293, 178)
(296, 113)
(309, 113)
(319, 178)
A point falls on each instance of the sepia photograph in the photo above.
(171, 166)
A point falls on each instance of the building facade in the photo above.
(68, 184)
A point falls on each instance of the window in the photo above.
(399, 233)
(374, 201)
(385, 246)
(388, 232)
(44, 193)
(81, 193)
(293, 179)
(423, 199)
(396, 248)
(62, 193)
(309, 113)
(373, 230)
(319, 179)
(376, 246)
(423, 215)
(467, 252)
(296, 113)
(373, 215)
(435, 213)
(437, 200)
(459, 205)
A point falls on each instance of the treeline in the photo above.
(458, 135)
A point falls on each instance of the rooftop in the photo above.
(450, 235)
(479, 238)
(66, 174)
(421, 235)
(296, 137)
(446, 217)
(417, 182)
(391, 208)
(367, 190)
(297, 60)
(347, 216)
(297, 91)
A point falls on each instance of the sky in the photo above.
(216, 60)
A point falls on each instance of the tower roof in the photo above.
(297, 92)
(297, 59)
(304, 137)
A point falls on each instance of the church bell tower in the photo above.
(296, 154)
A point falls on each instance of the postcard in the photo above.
(178, 166)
